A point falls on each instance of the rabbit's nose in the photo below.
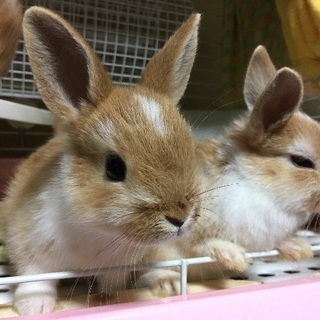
(176, 222)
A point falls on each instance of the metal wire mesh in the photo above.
(125, 35)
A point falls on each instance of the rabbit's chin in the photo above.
(153, 239)
(172, 236)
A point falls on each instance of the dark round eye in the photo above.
(302, 162)
(116, 169)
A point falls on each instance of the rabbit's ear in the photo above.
(278, 102)
(169, 70)
(259, 73)
(68, 74)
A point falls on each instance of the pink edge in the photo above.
(294, 299)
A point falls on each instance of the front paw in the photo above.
(162, 283)
(232, 257)
(295, 249)
(35, 298)
(35, 305)
(227, 254)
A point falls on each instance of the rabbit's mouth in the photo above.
(167, 233)
(184, 227)
(164, 223)
(182, 232)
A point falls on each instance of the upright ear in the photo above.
(68, 74)
(259, 73)
(168, 72)
(278, 102)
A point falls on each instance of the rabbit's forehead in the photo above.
(306, 136)
(133, 112)
(153, 113)
(139, 122)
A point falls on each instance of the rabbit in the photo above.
(10, 32)
(121, 174)
(261, 181)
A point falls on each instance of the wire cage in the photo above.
(124, 34)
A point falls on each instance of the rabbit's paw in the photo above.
(227, 254)
(231, 256)
(35, 305)
(162, 283)
(295, 249)
(32, 298)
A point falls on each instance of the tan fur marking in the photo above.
(173, 62)
(10, 32)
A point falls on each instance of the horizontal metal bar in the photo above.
(93, 272)
(20, 112)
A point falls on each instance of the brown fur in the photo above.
(62, 198)
(10, 32)
(33, 172)
(173, 76)
(255, 196)
(265, 152)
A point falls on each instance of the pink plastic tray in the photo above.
(292, 300)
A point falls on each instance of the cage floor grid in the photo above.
(74, 292)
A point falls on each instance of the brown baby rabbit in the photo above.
(120, 176)
(261, 181)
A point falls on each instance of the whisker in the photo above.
(214, 267)
(216, 215)
(136, 246)
(130, 258)
(134, 258)
(217, 188)
(73, 288)
(214, 197)
(308, 225)
(90, 287)
(110, 244)
(211, 104)
(317, 222)
(215, 110)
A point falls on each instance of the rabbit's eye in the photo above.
(116, 169)
(302, 162)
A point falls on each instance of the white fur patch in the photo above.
(77, 245)
(253, 215)
(106, 129)
(152, 111)
(105, 132)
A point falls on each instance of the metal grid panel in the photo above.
(266, 268)
(125, 35)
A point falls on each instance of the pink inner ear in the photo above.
(280, 99)
(68, 58)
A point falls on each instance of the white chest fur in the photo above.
(73, 245)
(250, 214)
